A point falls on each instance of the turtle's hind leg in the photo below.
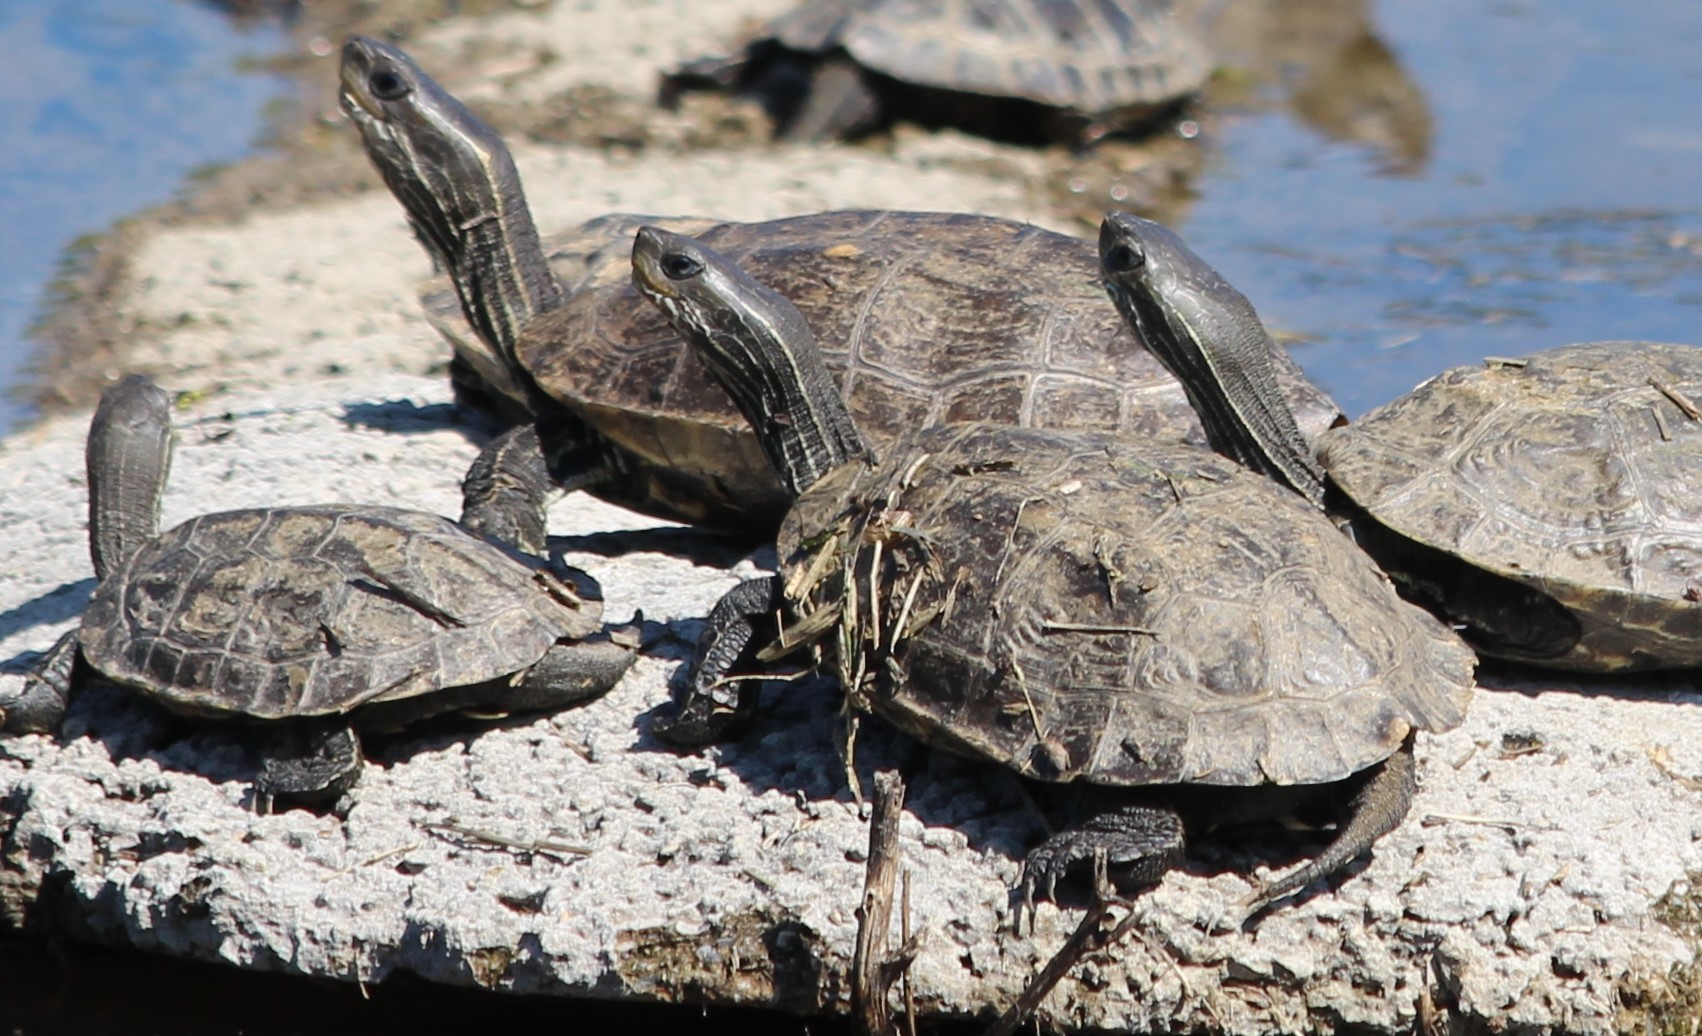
(306, 761)
(1376, 809)
(512, 481)
(508, 488)
(1140, 842)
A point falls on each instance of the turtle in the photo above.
(1025, 70)
(1076, 606)
(306, 622)
(1546, 505)
(937, 317)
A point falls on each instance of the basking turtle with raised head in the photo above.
(1065, 70)
(306, 622)
(1075, 606)
(934, 318)
(1550, 506)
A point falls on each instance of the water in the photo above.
(108, 104)
(1551, 193)
(1560, 200)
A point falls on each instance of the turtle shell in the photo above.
(1093, 56)
(286, 612)
(1575, 472)
(924, 318)
(1077, 606)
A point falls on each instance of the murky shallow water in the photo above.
(108, 105)
(1513, 177)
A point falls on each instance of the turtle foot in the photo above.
(705, 716)
(307, 763)
(39, 705)
(1139, 842)
(714, 705)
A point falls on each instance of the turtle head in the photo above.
(1143, 265)
(388, 95)
(696, 286)
(423, 142)
(1209, 337)
(758, 346)
(456, 180)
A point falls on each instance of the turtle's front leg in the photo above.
(40, 705)
(713, 707)
(306, 761)
(838, 103)
(507, 490)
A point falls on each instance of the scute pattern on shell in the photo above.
(923, 317)
(1115, 610)
(1573, 474)
(274, 613)
(1086, 55)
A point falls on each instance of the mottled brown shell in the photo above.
(925, 318)
(309, 611)
(1091, 56)
(1112, 610)
(1576, 472)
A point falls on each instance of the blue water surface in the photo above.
(1557, 198)
(105, 107)
(1561, 200)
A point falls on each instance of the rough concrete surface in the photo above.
(1540, 884)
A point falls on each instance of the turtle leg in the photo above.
(1140, 843)
(1376, 809)
(40, 705)
(508, 488)
(306, 761)
(712, 707)
(839, 103)
(570, 674)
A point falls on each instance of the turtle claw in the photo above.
(40, 704)
(714, 705)
(307, 764)
(1139, 843)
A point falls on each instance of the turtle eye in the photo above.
(1123, 259)
(387, 86)
(679, 266)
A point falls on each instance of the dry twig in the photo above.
(873, 969)
(1095, 933)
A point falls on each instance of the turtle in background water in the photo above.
(934, 318)
(305, 622)
(1075, 606)
(1550, 506)
(1026, 70)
